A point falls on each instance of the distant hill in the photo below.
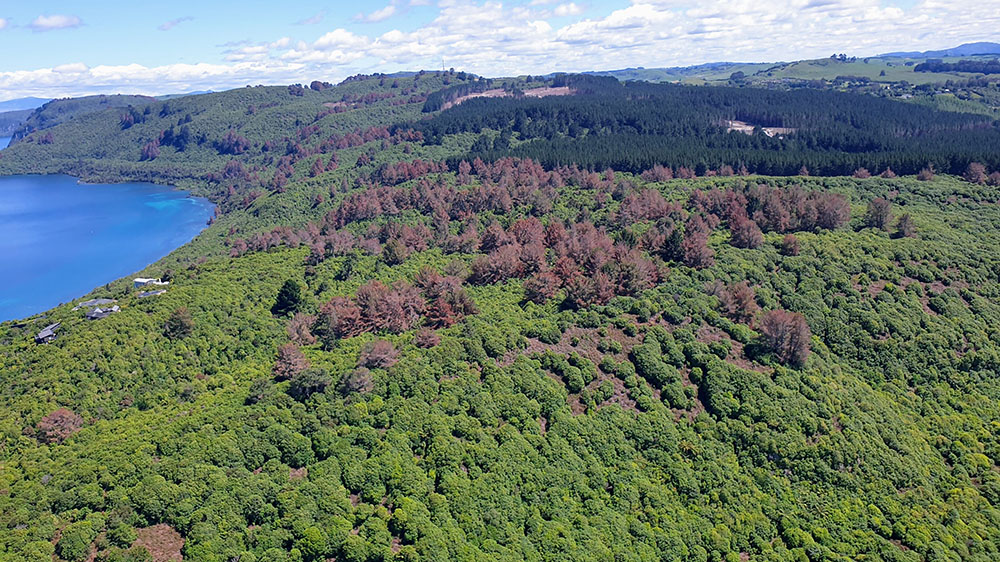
(21, 104)
(60, 111)
(708, 72)
(175, 96)
(11, 121)
(964, 50)
(818, 69)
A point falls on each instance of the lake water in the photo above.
(60, 239)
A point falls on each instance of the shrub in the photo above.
(309, 382)
(357, 380)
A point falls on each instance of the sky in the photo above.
(62, 48)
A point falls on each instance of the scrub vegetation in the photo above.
(572, 327)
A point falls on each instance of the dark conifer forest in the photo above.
(443, 318)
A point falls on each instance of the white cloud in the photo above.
(378, 15)
(167, 26)
(79, 79)
(570, 9)
(55, 21)
(312, 20)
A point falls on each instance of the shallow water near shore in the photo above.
(59, 238)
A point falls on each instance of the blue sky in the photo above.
(66, 47)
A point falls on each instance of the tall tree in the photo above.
(289, 298)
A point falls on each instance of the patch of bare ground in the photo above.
(877, 287)
(92, 555)
(710, 334)
(924, 300)
(500, 93)
(748, 128)
(162, 541)
(587, 339)
(546, 92)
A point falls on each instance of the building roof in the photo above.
(93, 302)
(47, 332)
(151, 293)
(99, 312)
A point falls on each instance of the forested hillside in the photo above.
(576, 327)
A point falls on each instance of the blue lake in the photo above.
(60, 239)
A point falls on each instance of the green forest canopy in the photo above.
(378, 351)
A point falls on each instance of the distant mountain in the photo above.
(175, 96)
(21, 104)
(964, 50)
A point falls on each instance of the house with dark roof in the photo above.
(48, 333)
(93, 302)
(145, 294)
(99, 312)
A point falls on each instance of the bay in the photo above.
(60, 239)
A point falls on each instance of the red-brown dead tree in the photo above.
(975, 173)
(879, 214)
(290, 362)
(379, 354)
(694, 248)
(745, 233)
(786, 334)
(790, 245)
(58, 426)
(541, 287)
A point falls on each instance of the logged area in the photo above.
(428, 323)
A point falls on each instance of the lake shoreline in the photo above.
(63, 238)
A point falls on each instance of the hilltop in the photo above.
(884, 68)
(598, 325)
(963, 50)
(22, 104)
